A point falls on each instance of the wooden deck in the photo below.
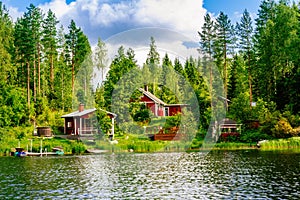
(166, 136)
(173, 133)
(41, 154)
(77, 137)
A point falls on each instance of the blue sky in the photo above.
(121, 15)
(232, 7)
(130, 23)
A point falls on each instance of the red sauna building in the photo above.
(157, 106)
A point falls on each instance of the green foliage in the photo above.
(173, 121)
(253, 136)
(38, 65)
(289, 143)
(78, 147)
(13, 109)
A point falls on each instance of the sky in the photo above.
(131, 23)
(104, 18)
(174, 24)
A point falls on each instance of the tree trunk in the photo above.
(62, 90)
(34, 79)
(39, 70)
(28, 84)
(250, 80)
(225, 70)
(51, 73)
(73, 77)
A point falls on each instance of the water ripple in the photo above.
(217, 175)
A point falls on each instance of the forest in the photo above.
(45, 71)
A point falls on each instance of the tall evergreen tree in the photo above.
(7, 74)
(24, 50)
(121, 64)
(207, 39)
(153, 62)
(245, 33)
(100, 57)
(169, 78)
(207, 36)
(223, 45)
(78, 48)
(264, 48)
(34, 17)
(50, 44)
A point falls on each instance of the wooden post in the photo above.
(74, 126)
(41, 149)
(80, 126)
(113, 127)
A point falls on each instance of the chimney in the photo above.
(81, 107)
(146, 87)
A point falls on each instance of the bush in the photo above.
(283, 129)
(78, 147)
(254, 136)
(229, 137)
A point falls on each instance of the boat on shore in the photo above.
(20, 152)
(97, 151)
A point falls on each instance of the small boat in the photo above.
(20, 152)
(58, 150)
(96, 151)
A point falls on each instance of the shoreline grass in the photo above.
(289, 143)
(140, 144)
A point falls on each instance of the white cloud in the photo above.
(60, 8)
(183, 16)
(105, 18)
(14, 13)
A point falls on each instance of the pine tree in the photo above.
(78, 48)
(7, 74)
(169, 78)
(223, 45)
(34, 16)
(207, 39)
(24, 50)
(264, 48)
(50, 44)
(100, 57)
(153, 62)
(245, 33)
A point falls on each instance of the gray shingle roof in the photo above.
(79, 114)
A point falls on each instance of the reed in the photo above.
(289, 143)
(69, 146)
(140, 143)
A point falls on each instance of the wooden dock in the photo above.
(41, 154)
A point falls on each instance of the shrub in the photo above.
(253, 136)
(229, 137)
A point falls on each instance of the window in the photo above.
(69, 125)
(166, 111)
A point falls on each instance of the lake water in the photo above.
(216, 175)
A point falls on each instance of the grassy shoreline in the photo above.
(288, 143)
(141, 144)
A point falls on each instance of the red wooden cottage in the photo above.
(83, 122)
(157, 106)
(80, 122)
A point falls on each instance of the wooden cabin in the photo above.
(83, 123)
(229, 128)
(157, 106)
(80, 122)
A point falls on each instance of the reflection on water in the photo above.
(217, 175)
